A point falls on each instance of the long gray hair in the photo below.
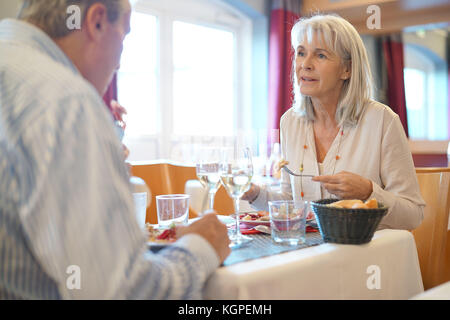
(51, 15)
(343, 39)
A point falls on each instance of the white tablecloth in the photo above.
(441, 292)
(327, 271)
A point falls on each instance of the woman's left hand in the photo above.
(346, 185)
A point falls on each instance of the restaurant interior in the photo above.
(194, 74)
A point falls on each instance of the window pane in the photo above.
(137, 77)
(415, 102)
(203, 96)
(426, 83)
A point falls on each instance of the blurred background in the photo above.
(196, 72)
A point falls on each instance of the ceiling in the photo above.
(395, 15)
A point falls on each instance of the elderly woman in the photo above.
(354, 147)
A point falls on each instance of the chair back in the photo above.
(431, 236)
(171, 178)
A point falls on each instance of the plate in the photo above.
(310, 221)
(156, 244)
(252, 223)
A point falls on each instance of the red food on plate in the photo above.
(161, 235)
(252, 219)
(254, 216)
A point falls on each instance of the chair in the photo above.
(432, 236)
(155, 176)
(171, 178)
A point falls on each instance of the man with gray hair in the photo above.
(67, 224)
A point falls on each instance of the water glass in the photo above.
(288, 221)
(172, 208)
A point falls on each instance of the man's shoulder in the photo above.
(33, 82)
(35, 74)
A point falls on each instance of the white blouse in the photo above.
(376, 148)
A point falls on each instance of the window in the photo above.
(415, 92)
(426, 84)
(203, 89)
(179, 77)
(138, 74)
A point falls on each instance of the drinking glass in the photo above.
(172, 209)
(207, 169)
(236, 171)
(288, 221)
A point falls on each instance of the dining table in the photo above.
(386, 268)
(440, 292)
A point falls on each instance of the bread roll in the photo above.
(372, 204)
(355, 204)
(345, 203)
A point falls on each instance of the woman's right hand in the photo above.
(251, 194)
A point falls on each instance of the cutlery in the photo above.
(295, 174)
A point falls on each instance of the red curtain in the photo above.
(111, 92)
(283, 16)
(393, 55)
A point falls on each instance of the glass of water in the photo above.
(172, 208)
(288, 221)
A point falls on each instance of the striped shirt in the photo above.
(67, 223)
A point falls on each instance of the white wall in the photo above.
(9, 8)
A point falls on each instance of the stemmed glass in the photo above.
(236, 171)
(207, 169)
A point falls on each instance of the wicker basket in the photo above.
(347, 226)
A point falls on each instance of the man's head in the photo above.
(95, 49)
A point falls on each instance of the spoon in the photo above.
(295, 174)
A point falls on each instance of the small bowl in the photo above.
(347, 226)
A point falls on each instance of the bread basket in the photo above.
(347, 226)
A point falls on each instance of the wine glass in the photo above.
(207, 169)
(236, 171)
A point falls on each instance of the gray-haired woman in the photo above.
(354, 146)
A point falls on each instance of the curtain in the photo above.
(393, 56)
(283, 16)
(111, 92)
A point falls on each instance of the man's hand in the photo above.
(346, 185)
(214, 231)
